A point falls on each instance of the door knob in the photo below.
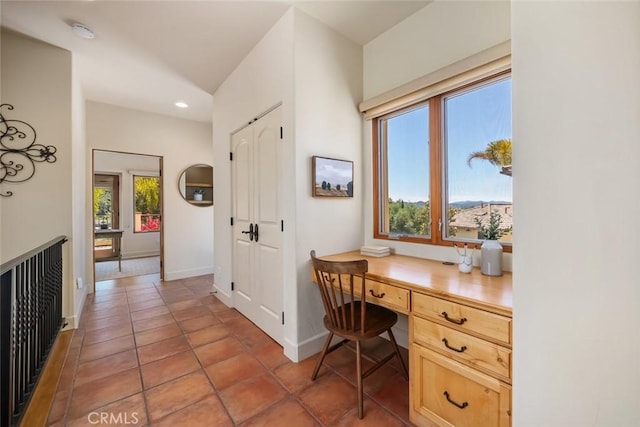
(250, 232)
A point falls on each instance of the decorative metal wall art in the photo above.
(19, 152)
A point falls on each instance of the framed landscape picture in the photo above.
(332, 177)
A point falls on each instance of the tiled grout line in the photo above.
(244, 341)
(135, 343)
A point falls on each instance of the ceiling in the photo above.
(147, 55)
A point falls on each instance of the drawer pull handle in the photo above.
(457, 322)
(373, 294)
(459, 350)
(461, 406)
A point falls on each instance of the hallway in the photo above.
(169, 353)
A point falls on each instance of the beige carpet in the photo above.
(107, 270)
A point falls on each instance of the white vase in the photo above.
(491, 258)
(197, 197)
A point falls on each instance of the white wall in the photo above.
(437, 35)
(263, 80)
(576, 104)
(328, 88)
(81, 259)
(121, 164)
(36, 79)
(316, 75)
(188, 229)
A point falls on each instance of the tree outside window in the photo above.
(147, 204)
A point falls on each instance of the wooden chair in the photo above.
(340, 283)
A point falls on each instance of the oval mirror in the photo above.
(196, 185)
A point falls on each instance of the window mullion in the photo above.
(435, 167)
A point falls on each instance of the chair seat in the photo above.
(377, 321)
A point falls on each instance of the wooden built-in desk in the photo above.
(116, 245)
(459, 337)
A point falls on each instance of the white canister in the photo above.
(465, 263)
(491, 258)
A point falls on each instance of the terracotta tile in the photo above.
(109, 365)
(229, 314)
(111, 291)
(329, 398)
(373, 382)
(233, 370)
(102, 297)
(107, 312)
(157, 334)
(297, 376)
(252, 396)
(105, 348)
(148, 313)
(374, 416)
(105, 305)
(218, 351)
(207, 335)
(248, 333)
(95, 394)
(173, 297)
(177, 394)
(394, 396)
(183, 305)
(217, 306)
(142, 289)
(201, 322)
(208, 412)
(161, 349)
(147, 303)
(238, 325)
(154, 322)
(270, 354)
(130, 411)
(138, 298)
(190, 313)
(105, 322)
(108, 333)
(286, 413)
(340, 357)
(168, 369)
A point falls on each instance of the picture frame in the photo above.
(331, 177)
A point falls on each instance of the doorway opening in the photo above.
(127, 215)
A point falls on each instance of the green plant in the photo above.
(492, 230)
(198, 191)
(498, 153)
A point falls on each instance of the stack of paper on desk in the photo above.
(376, 251)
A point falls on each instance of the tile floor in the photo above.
(170, 354)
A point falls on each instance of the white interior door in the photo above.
(257, 223)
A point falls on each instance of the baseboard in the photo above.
(307, 348)
(184, 274)
(223, 296)
(139, 254)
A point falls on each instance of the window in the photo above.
(442, 167)
(146, 196)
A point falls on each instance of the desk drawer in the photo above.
(462, 317)
(450, 394)
(389, 296)
(474, 351)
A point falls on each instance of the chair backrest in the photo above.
(340, 284)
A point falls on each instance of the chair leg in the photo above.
(397, 350)
(324, 353)
(359, 374)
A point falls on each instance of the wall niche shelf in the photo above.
(197, 179)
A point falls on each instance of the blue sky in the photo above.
(473, 119)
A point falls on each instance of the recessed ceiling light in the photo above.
(82, 31)
(181, 104)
